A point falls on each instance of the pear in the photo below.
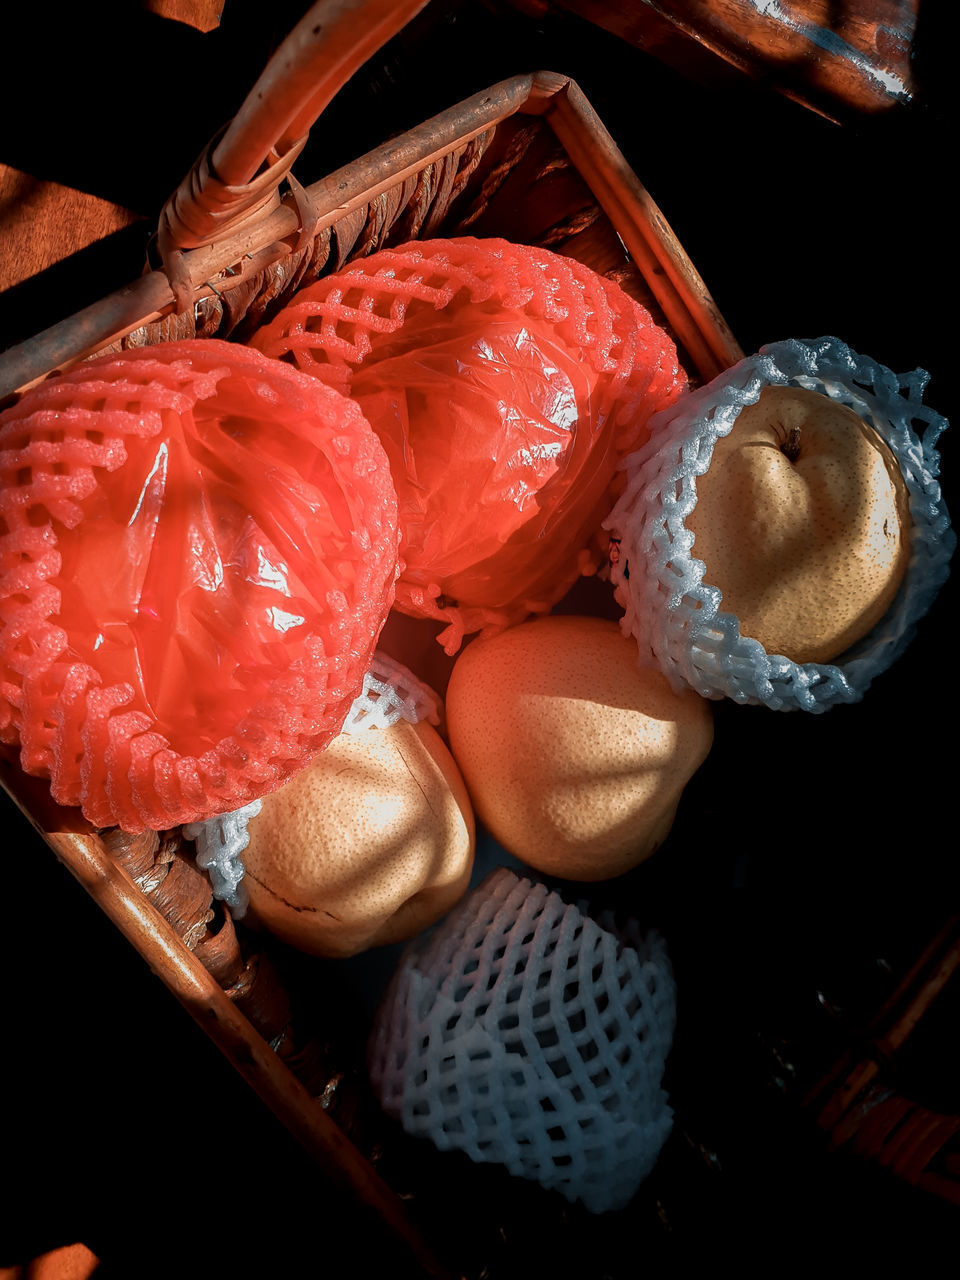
(802, 523)
(368, 845)
(575, 757)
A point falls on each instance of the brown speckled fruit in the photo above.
(574, 756)
(370, 844)
(802, 523)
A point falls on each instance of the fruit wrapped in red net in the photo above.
(198, 549)
(506, 383)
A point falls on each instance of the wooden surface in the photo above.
(44, 222)
(203, 15)
(838, 59)
(809, 852)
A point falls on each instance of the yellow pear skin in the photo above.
(802, 523)
(574, 756)
(368, 845)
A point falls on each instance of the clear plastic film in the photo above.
(199, 552)
(505, 383)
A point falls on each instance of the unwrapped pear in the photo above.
(370, 844)
(575, 756)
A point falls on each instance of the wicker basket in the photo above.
(230, 252)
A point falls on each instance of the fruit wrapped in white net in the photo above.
(390, 693)
(677, 618)
(527, 1034)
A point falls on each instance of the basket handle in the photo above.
(237, 177)
(331, 42)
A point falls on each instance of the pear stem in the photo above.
(791, 446)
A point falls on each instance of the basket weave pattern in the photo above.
(239, 303)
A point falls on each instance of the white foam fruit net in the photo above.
(676, 617)
(527, 1034)
(390, 692)
(219, 843)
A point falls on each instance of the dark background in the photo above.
(813, 855)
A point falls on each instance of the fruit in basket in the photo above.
(525, 1033)
(574, 756)
(506, 383)
(369, 845)
(802, 522)
(198, 550)
(845, 524)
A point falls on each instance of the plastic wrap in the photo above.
(198, 552)
(506, 383)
